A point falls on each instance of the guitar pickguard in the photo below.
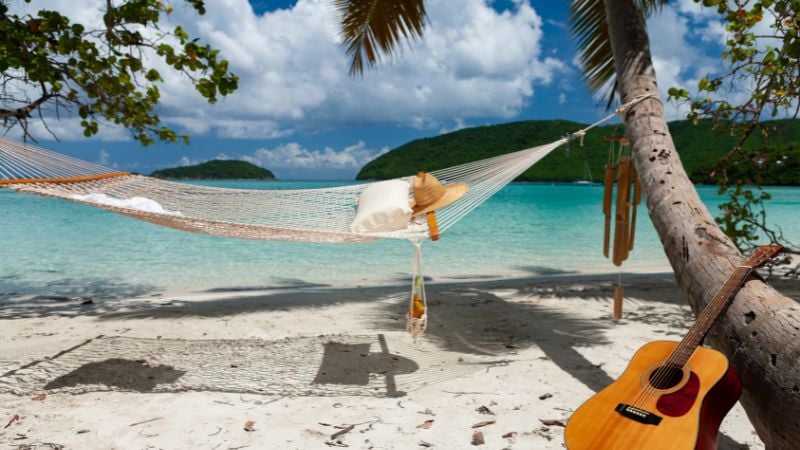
(681, 401)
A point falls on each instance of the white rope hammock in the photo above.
(300, 215)
(304, 215)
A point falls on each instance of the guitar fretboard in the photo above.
(680, 356)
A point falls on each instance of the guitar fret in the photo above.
(716, 306)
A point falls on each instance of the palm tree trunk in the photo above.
(760, 333)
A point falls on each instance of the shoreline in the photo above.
(125, 373)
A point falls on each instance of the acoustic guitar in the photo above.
(672, 395)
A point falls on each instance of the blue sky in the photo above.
(299, 114)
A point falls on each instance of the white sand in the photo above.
(525, 349)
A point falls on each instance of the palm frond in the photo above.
(587, 20)
(375, 27)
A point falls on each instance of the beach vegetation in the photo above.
(54, 66)
(699, 145)
(216, 169)
(761, 67)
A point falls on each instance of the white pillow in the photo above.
(383, 206)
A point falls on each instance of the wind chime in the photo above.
(629, 195)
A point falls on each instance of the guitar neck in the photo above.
(706, 319)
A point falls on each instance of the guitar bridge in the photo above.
(637, 414)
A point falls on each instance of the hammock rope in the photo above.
(299, 215)
(296, 215)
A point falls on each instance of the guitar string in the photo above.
(679, 352)
(732, 284)
(734, 280)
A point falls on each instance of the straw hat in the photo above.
(430, 195)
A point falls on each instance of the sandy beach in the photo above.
(324, 367)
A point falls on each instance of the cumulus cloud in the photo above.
(69, 129)
(104, 159)
(294, 155)
(678, 60)
(186, 161)
(473, 62)
(693, 50)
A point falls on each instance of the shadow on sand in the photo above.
(123, 374)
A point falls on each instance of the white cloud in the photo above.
(70, 129)
(458, 124)
(677, 61)
(186, 161)
(294, 155)
(696, 11)
(104, 159)
(473, 62)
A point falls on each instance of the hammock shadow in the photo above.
(354, 364)
(122, 374)
(366, 365)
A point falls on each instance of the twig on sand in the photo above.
(219, 430)
(484, 423)
(459, 393)
(344, 430)
(34, 445)
(13, 419)
(145, 421)
(553, 422)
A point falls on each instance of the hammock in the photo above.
(299, 215)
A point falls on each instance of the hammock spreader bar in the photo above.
(64, 180)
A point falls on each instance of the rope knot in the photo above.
(580, 134)
(635, 101)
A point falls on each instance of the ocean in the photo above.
(59, 248)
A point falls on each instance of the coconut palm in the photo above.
(759, 333)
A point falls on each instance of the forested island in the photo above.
(700, 149)
(216, 170)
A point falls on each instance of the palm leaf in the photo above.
(374, 27)
(587, 20)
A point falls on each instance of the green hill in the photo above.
(216, 170)
(698, 145)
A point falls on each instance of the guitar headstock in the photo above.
(762, 255)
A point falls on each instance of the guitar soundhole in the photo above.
(666, 377)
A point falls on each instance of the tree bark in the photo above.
(759, 332)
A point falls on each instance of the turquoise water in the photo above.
(53, 247)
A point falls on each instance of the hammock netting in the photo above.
(299, 215)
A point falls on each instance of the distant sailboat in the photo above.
(587, 175)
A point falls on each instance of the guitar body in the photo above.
(683, 413)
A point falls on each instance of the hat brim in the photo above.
(452, 192)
